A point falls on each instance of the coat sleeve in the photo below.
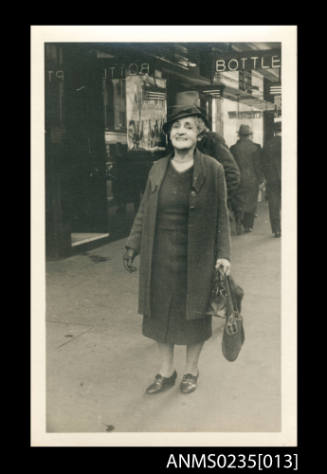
(271, 160)
(265, 161)
(214, 145)
(135, 236)
(223, 244)
(231, 169)
(258, 163)
(223, 155)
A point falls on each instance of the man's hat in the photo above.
(244, 130)
(178, 112)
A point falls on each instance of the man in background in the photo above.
(271, 163)
(247, 155)
(213, 144)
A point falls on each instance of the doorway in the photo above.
(85, 147)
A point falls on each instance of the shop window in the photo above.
(278, 105)
(245, 80)
(257, 84)
(115, 105)
(146, 111)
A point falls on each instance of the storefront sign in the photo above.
(249, 61)
(55, 74)
(136, 68)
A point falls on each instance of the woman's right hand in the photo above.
(128, 259)
(224, 266)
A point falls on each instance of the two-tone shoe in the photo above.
(189, 383)
(161, 383)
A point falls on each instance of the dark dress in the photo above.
(168, 323)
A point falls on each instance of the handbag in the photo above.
(233, 335)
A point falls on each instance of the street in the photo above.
(99, 364)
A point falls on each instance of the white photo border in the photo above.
(287, 35)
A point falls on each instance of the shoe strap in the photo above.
(159, 376)
(189, 376)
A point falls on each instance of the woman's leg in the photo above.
(167, 375)
(190, 379)
(193, 352)
(167, 359)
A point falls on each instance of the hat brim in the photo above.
(167, 125)
(244, 134)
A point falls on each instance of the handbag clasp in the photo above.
(232, 326)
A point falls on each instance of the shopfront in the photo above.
(103, 129)
(75, 150)
(246, 89)
(135, 108)
(105, 107)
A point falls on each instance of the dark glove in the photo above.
(128, 259)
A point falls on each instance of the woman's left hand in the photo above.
(223, 265)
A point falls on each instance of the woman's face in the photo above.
(184, 133)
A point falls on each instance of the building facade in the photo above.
(105, 106)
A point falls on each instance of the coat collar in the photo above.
(159, 170)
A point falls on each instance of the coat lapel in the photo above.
(158, 172)
(199, 172)
(160, 167)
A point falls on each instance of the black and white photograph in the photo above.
(163, 197)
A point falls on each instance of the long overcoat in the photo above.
(271, 160)
(208, 236)
(247, 155)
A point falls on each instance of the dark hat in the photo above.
(178, 112)
(244, 130)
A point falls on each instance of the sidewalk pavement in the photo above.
(98, 362)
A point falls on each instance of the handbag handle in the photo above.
(231, 300)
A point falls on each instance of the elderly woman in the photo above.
(181, 232)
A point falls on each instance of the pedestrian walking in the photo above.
(181, 232)
(271, 161)
(213, 144)
(247, 155)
